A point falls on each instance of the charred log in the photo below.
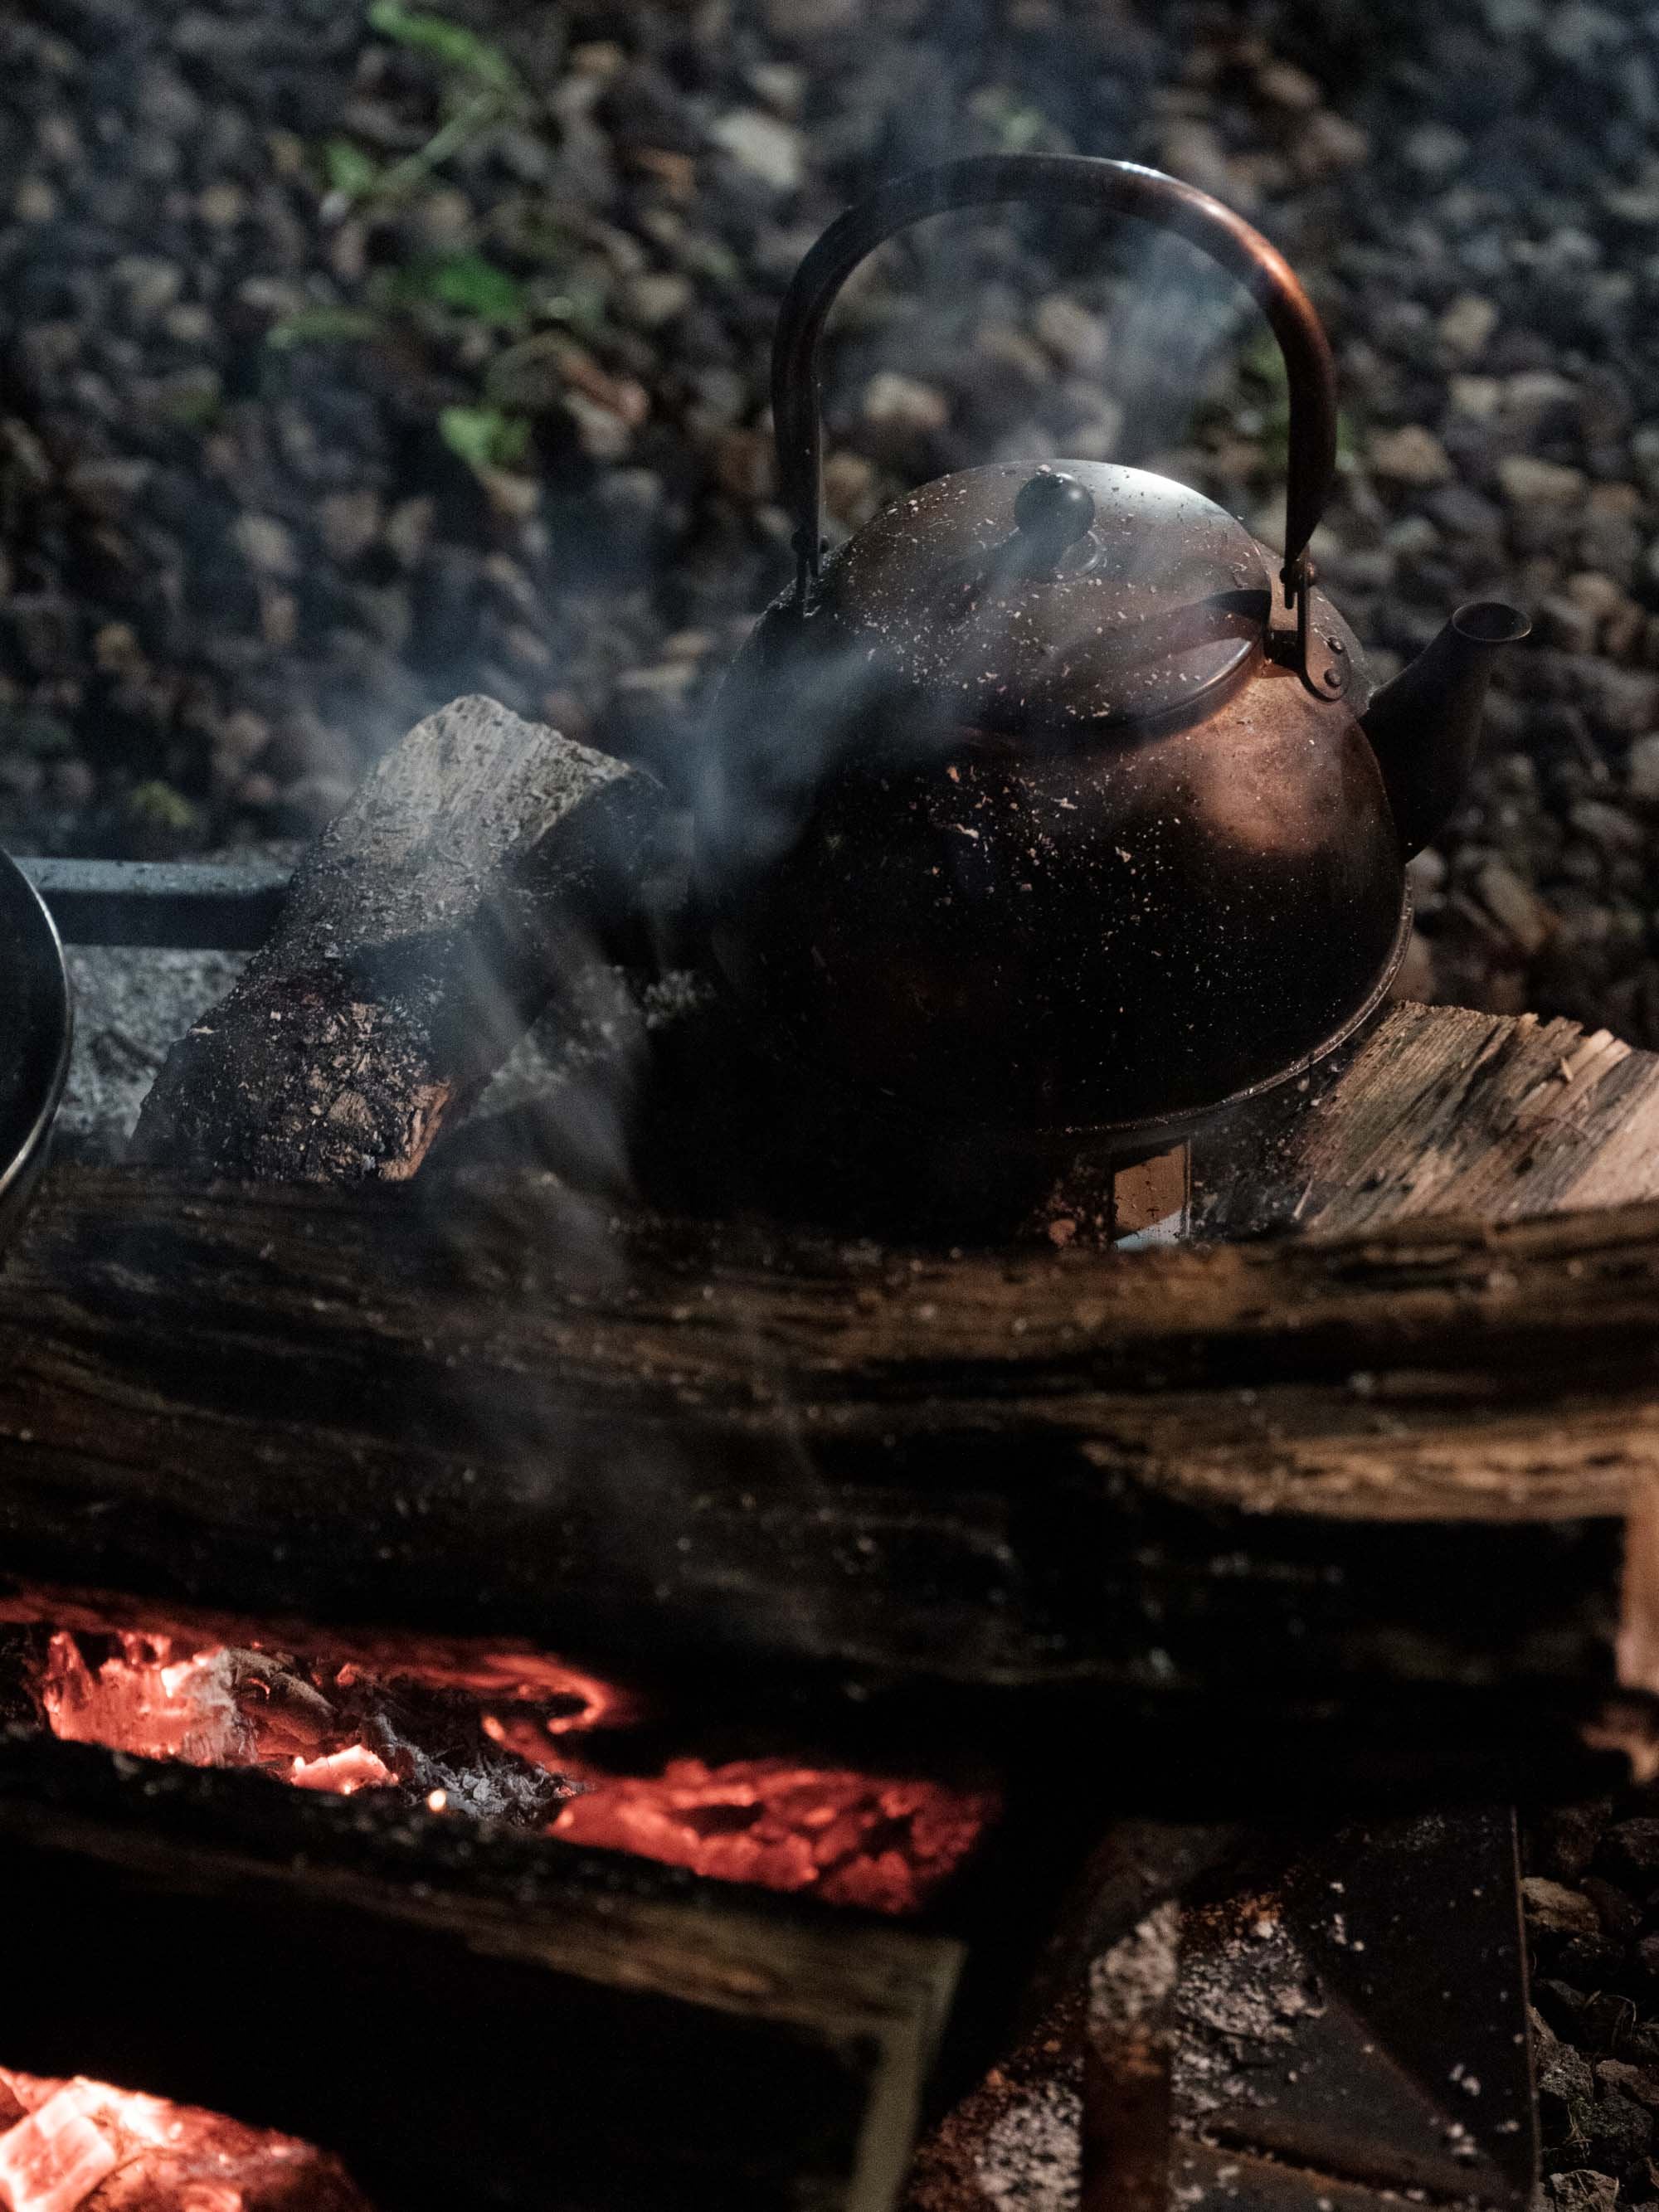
(431, 922)
(1309, 1480)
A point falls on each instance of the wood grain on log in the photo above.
(670, 1447)
(1446, 1111)
(431, 921)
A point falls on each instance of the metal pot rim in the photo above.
(35, 1055)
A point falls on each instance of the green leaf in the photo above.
(322, 326)
(452, 44)
(485, 437)
(472, 286)
(158, 806)
(349, 170)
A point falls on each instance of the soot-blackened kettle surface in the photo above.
(1054, 805)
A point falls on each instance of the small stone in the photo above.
(267, 544)
(151, 285)
(781, 85)
(1435, 150)
(1283, 85)
(1609, 828)
(1635, 1844)
(1328, 141)
(1414, 978)
(1620, 1913)
(115, 649)
(1478, 397)
(1195, 151)
(1581, 2190)
(743, 465)
(409, 528)
(1535, 391)
(349, 522)
(851, 488)
(1562, 2071)
(1412, 455)
(1524, 918)
(222, 205)
(515, 496)
(597, 57)
(279, 617)
(35, 201)
(1563, 623)
(72, 783)
(656, 297)
(1642, 771)
(238, 742)
(1640, 2083)
(605, 435)
(1639, 207)
(59, 141)
(1568, 1836)
(188, 324)
(108, 486)
(1561, 1910)
(1597, 594)
(1583, 34)
(795, 20)
(900, 403)
(444, 220)
(1467, 323)
(769, 149)
(1527, 482)
(1075, 338)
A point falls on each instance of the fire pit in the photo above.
(494, 1634)
(744, 1849)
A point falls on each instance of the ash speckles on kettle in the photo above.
(1052, 805)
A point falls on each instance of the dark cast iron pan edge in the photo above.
(36, 1027)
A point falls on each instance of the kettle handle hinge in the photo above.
(1322, 660)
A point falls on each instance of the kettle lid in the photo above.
(1080, 596)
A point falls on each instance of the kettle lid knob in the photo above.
(1052, 511)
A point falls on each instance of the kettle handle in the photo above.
(1076, 180)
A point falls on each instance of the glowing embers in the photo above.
(854, 1839)
(497, 1734)
(81, 2146)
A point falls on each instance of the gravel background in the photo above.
(241, 551)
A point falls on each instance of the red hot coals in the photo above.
(489, 1732)
(81, 2146)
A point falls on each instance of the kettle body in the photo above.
(1054, 807)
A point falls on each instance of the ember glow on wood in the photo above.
(487, 1734)
(81, 2146)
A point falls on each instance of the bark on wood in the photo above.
(1173, 1475)
(432, 920)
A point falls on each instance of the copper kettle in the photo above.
(1054, 806)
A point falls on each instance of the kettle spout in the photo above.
(1425, 726)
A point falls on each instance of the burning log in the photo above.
(430, 924)
(81, 2146)
(706, 2047)
(775, 1460)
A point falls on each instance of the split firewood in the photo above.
(432, 920)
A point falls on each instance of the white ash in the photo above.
(1031, 2160)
